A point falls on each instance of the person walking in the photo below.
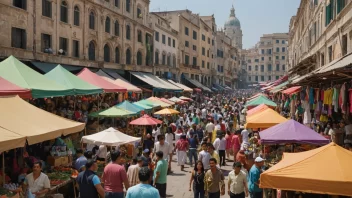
(237, 184)
(229, 144)
(193, 145)
(209, 128)
(133, 170)
(160, 174)
(253, 178)
(214, 181)
(115, 177)
(143, 189)
(181, 148)
(197, 178)
(220, 147)
(204, 156)
(89, 183)
(164, 147)
(236, 142)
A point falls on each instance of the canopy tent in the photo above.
(70, 81)
(292, 90)
(130, 107)
(185, 98)
(109, 137)
(197, 84)
(182, 86)
(166, 112)
(157, 101)
(312, 172)
(98, 81)
(166, 101)
(118, 80)
(261, 100)
(35, 124)
(262, 95)
(145, 120)
(156, 82)
(257, 95)
(45, 67)
(144, 106)
(21, 75)
(257, 109)
(117, 112)
(265, 119)
(10, 140)
(7, 89)
(280, 86)
(291, 132)
(176, 100)
(152, 104)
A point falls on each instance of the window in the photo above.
(283, 68)
(186, 31)
(186, 60)
(128, 5)
(262, 68)
(261, 78)
(340, 4)
(46, 43)
(117, 55)
(128, 32)
(203, 64)
(20, 4)
(249, 61)
(277, 57)
(203, 51)
(156, 58)
(256, 68)
(212, 42)
(92, 21)
(262, 58)
(249, 68)
(63, 12)
(139, 58)
(283, 49)
(63, 45)
(117, 28)
(269, 77)
(186, 44)
(344, 44)
(208, 53)
(249, 78)
(194, 35)
(269, 67)
(117, 3)
(256, 78)
(194, 61)
(277, 77)
(76, 16)
(169, 41)
(256, 60)
(283, 42)
(283, 57)
(75, 48)
(139, 13)
(91, 51)
(106, 53)
(173, 43)
(107, 25)
(194, 48)
(209, 41)
(269, 58)
(157, 36)
(263, 51)
(329, 13)
(128, 57)
(163, 39)
(169, 60)
(208, 65)
(277, 67)
(277, 41)
(18, 38)
(139, 34)
(269, 51)
(164, 59)
(277, 49)
(203, 37)
(46, 8)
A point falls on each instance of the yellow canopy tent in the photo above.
(10, 140)
(325, 170)
(166, 112)
(36, 125)
(264, 119)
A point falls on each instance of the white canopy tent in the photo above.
(109, 137)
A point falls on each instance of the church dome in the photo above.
(232, 21)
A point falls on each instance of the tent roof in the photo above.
(118, 80)
(150, 103)
(70, 81)
(174, 99)
(146, 107)
(166, 101)
(182, 86)
(7, 88)
(257, 109)
(130, 107)
(109, 137)
(291, 132)
(33, 123)
(155, 81)
(291, 90)
(265, 119)
(261, 100)
(115, 112)
(10, 140)
(21, 75)
(280, 86)
(198, 84)
(311, 171)
(157, 101)
(98, 81)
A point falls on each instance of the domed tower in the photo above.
(233, 29)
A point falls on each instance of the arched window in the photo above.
(128, 32)
(64, 12)
(117, 3)
(92, 20)
(164, 59)
(173, 60)
(106, 53)
(169, 60)
(128, 5)
(76, 16)
(139, 36)
(107, 25)
(117, 55)
(139, 58)
(128, 57)
(117, 28)
(91, 51)
(156, 58)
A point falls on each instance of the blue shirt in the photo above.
(192, 142)
(161, 167)
(142, 190)
(96, 180)
(253, 178)
(80, 162)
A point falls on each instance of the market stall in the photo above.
(8, 89)
(257, 109)
(159, 102)
(264, 119)
(166, 112)
(260, 100)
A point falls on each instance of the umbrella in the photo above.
(145, 120)
(166, 112)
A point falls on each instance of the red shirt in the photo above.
(236, 142)
(113, 177)
(182, 145)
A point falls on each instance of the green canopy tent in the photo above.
(144, 106)
(116, 112)
(21, 75)
(280, 86)
(130, 107)
(261, 100)
(148, 103)
(70, 81)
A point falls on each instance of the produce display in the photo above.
(6, 192)
(60, 175)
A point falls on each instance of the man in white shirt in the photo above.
(37, 182)
(163, 146)
(102, 152)
(204, 113)
(220, 147)
(209, 128)
(244, 136)
(237, 183)
(204, 156)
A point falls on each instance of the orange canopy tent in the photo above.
(265, 119)
(325, 170)
(257, 109)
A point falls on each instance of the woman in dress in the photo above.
(197, 178)
(181, 148)
(229, 144)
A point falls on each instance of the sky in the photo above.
(257, 17)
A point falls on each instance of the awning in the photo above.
(198, 84)
(182, 86)
(157, 101)
(98, 81)
(264, 119)
(336, 64)
(7, 89)
(47, 67)
(279, 87)
(300, 78)
(118, 80)
(130, 107)
(291, 90)
(156, 82)
(219, 87)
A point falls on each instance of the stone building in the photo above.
(165, 48)
(233, 29)
(111, 33)
(268, 59)
(320, 33)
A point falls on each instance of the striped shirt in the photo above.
(132, 175)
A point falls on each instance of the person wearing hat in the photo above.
(254, 178)
(146, 157)
(237, 182)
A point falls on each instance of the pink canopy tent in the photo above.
(7, 88)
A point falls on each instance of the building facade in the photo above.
(320, 33)
(268, 59)
(233, 29)
(112, 34)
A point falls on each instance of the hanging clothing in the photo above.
(342, 98)
(307, 117)
(335, 97)
(327, 97)
(311, 95)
